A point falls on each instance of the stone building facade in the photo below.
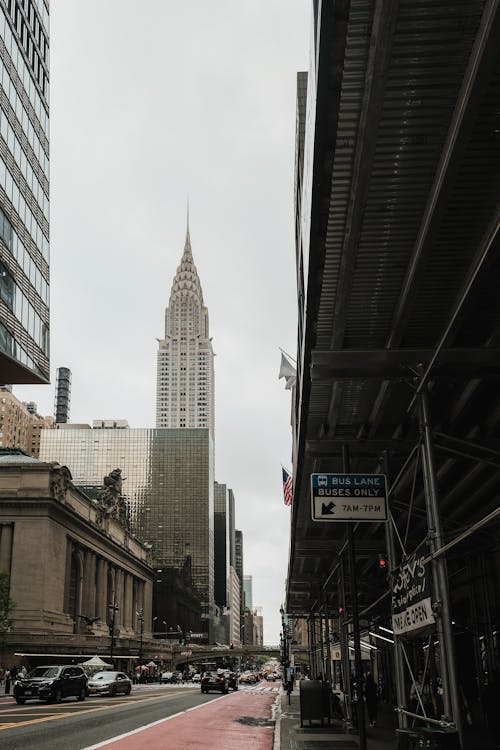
(20, 425)
(71, 568)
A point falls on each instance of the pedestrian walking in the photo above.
(371, 698)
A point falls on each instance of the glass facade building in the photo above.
(168, 489)
(247, 588)
(24, 191)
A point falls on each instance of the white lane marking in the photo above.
(147, 726)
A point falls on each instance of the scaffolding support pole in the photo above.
(399, 667)
(344, 645)
(310, 644)
(447, 646)
(321, 637)
(328, 672)
(351, 552)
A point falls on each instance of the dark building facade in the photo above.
(221, 544)
(398, 258)
(238, 566)
(176, 603)
(24, 192)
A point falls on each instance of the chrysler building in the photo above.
(185, 365)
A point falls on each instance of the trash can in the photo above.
(314, 701)
(425, 738)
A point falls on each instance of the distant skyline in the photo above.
(190, 99)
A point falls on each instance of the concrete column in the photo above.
(104, 592)
(119, 597)
(88, 589)
(79, 591)
(67, 575)
(126, 600)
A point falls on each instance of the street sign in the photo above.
(348, 497)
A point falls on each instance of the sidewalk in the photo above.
(289, 735)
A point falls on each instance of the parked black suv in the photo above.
(51, 683)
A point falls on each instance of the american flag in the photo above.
(287, 487)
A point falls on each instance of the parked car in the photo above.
(51, 683)
(214, 681)
(109, 683)
(232, 680)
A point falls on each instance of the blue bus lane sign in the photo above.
(348, 497)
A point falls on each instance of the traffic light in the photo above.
(341, 610)
(382, 562)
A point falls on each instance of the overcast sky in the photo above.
(153, 102)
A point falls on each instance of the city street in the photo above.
(153, 716)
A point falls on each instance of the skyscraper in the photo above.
(185, 364)
(24, 192)
(247, 588)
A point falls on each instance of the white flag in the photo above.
(287, 371)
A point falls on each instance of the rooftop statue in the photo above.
(110, 500)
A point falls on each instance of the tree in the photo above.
(6, 608)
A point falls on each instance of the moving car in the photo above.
(109, 683)
(249, 678)
(51, 683)
(214, 681)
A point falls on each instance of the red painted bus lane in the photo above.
(242, 720)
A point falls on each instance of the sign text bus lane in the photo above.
(348, 497)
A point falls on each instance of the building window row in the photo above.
(22, 116)
(23, 211)
(32, 182)
(24, 73)
(34, 44)
(13, 348)
(23, 258)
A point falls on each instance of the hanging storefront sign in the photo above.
(411, 594)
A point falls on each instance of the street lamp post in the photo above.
(140, 617)
(113, 610)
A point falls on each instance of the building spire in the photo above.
(188, 238)
(187, 243)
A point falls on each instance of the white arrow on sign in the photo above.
(349, 509)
